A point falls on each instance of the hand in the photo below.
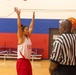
(50, 71)
(34, 14)
(17, 10)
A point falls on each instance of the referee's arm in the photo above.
(53, 65)
(55, 56)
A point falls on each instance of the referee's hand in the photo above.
(50, 71)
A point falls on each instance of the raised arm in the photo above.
(32, 24)
(19, 32)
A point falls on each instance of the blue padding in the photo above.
(41, 26)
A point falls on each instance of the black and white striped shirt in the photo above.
(64, 49)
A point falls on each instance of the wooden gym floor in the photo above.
(8, 67)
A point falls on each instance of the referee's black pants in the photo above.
(65, 70)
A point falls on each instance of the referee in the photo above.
(63, 56)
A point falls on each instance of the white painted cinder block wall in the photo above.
(45, 9)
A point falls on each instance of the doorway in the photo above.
(53, 34)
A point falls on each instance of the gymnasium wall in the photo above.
(48, 13)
